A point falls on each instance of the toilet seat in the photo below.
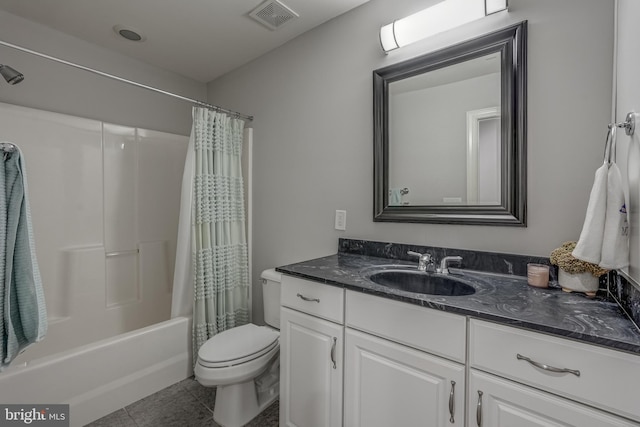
(237, 345)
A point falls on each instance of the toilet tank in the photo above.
(271, 297)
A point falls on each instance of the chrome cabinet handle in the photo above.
(452, 402)
(302, 297)
(333, 352)
(479, 409)
(547, 367)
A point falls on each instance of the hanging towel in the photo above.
(589, 247)
(604, 239)
(615, 240)
(395, 197)
(23, 317)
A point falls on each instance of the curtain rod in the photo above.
(123, 80)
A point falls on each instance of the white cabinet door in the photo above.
(389, 384)
(496, 402)
(310, 371)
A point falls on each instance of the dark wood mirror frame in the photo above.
(511, 43)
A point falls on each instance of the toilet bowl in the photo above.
(243, 363)
(236, 355)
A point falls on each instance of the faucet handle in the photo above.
(426, 257)
(423, 260)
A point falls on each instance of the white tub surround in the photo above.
(104, 204)
(99, 378)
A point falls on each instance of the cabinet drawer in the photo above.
(433, 331)
(606, 377)
(313, 298)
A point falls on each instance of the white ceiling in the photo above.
(199, 39)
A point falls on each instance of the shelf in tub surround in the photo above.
(502, 294)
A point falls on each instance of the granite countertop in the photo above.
(501, 298)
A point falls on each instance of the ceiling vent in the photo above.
(273, 14)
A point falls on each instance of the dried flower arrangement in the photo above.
(562, 258)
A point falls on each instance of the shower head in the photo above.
(10, 75)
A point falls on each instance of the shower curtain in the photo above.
(211, 278)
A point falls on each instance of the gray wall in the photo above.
(312, 99)
(63, 89)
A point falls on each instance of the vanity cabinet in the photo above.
(359, 360)
(311, 349)
(523, 378)
(390, 379)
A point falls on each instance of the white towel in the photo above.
(589, 247)
(615, 242)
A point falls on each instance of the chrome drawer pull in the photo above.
(479, 410)
(549, 368)
(302, 297)
(452, 407)
(333, 352)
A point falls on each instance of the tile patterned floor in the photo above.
(184, 404)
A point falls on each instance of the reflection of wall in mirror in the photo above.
(431, 123)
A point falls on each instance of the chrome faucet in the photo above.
(444, 263)
(425, 261)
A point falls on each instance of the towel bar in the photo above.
(7, 147)
(629, 124)
(118, 253)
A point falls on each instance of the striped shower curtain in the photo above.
(219, 272)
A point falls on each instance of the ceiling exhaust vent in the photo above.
(273, 14)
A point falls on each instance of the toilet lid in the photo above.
(238, 345)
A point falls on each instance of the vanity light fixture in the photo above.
(440, 17)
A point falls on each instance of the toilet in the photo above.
(243, 362)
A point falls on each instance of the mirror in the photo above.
(449, 134)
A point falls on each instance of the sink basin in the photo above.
(422, 283)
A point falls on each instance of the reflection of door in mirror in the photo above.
(483, 156)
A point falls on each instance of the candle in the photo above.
(538, 275)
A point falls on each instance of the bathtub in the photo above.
(101, 377)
